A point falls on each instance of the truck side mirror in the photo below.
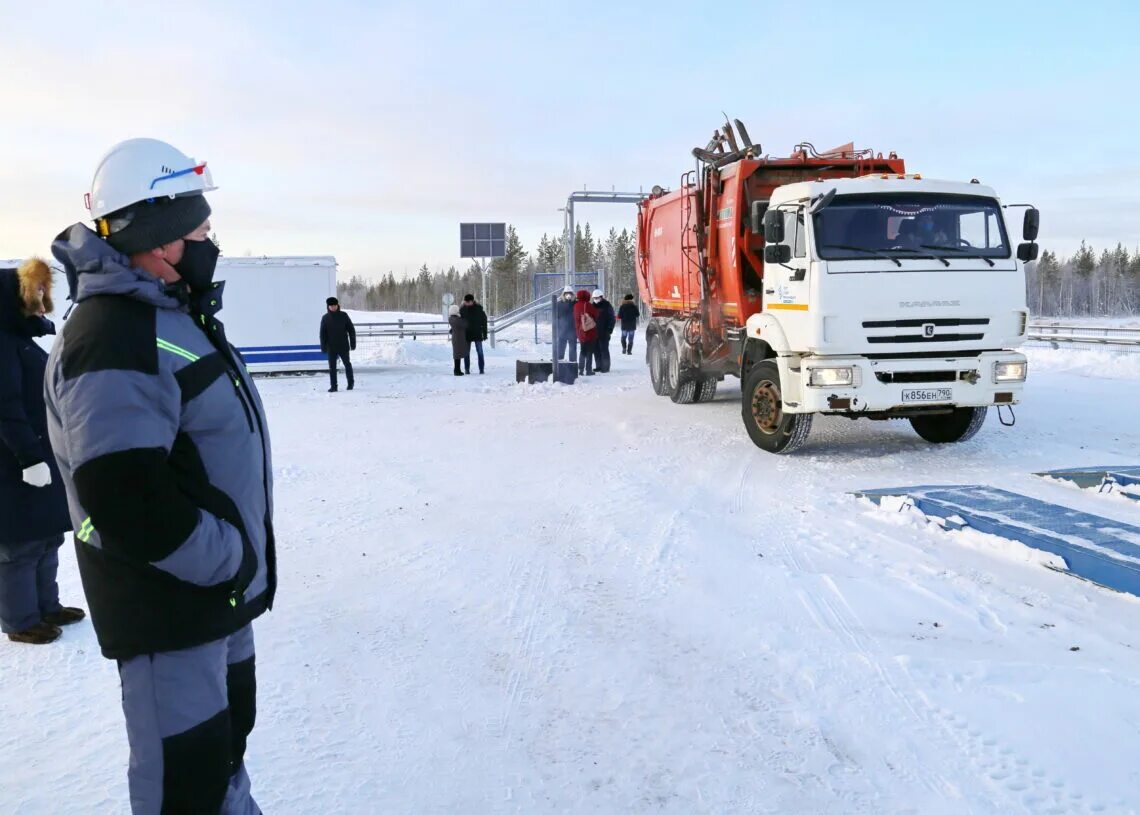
(1027, 252)
(1031, 225)
(758, 210)
(773, 226)
(777, 252)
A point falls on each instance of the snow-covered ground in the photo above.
(499, 598)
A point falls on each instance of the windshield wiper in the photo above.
(874, 252)
(917, 256)
(961, 251)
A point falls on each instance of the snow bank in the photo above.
(1095, 364)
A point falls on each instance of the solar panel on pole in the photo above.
(481, 241)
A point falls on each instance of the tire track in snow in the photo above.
(830, 610)
(527, 601)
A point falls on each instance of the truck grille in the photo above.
(922, 377)
(933, 329)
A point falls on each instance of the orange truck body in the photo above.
(709, 225)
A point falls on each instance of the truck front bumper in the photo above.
(905, 387)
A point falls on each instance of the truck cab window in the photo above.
(910, 224)
(795, 234)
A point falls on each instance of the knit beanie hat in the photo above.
(332, 301)
(150, 224)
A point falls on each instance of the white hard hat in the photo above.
(141, 170)
(597, 295)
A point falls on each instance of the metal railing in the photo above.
(414, 329)
(1059, 334)
(1053, 334)
(404, 329)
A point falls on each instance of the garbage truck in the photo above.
(833, 282)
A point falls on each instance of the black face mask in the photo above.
(199, 259)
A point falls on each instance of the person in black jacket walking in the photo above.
(338, 337)
(606, 323)
(33, 504)
(476, 319)
(629, 315)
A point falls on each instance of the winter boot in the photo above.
(458, 372)
(65, 616)
(38, 634)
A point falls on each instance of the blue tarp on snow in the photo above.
(1123, 480)
(1098, 549)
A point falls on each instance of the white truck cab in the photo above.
(887, 297)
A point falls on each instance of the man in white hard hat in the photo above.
(162, 443)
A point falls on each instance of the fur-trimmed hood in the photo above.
(35, 288)
(24, 292)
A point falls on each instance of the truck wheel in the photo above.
(769, 427)
(656, 365)
(670, 366)
(707, 390)
(686, 392)
(961, 424)
(682, 389)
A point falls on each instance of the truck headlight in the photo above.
(1009, 372)
(831, 377)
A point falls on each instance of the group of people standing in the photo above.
(468, 327)
(584, 324)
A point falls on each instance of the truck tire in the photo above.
(960, 425)
(656, 364)
(706, 391)
(686, 392)
(762, 409)
(670, 366)
(681, 388)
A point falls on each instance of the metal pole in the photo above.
(483, 269)
(571, 266)
(565, 245)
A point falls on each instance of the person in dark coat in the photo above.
(460, 347)
(33, 502)
(476, 319)
(629, 315)
(606, 323)
(338, 337)
(565, 333)
(586, 323)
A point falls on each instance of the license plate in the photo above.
(927, 395)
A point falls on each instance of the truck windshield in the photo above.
(910, 225)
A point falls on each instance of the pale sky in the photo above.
(369, 130)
